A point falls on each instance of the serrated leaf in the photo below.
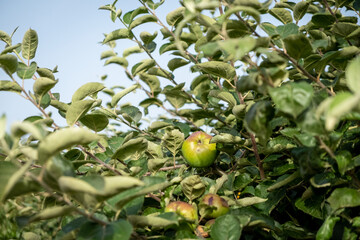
(117, 60)
(63, 139)
(9, 63)
(281, 14)
(26, 72)
(141, 20)
(117, 97)
(132, 147)
(42, 86)
(176, 63)
(217, 68)
(29, 44)
(94, 121)
(353, 75)
(76, 110)
(122, 33)
(10, 86)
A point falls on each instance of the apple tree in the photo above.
(275, 84)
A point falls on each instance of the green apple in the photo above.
(213, 206)
(198, 151)
(183, 209)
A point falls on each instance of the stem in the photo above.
(257, 157)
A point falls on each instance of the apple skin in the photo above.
(213, 200)
(183, 209)
(197, 150)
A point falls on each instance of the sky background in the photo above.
(69, 35)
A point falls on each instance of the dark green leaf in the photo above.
(281, 14)
(327, 228)
(176, 63)
(344, 197)
(96, 122)
(9, 63)
(132, 147)
(226, 227)
(294, 43)
(300, 9)
(26, 72)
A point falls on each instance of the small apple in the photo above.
(198, 151)
(183, 209)
(213, 206)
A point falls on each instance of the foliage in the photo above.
(281, 101)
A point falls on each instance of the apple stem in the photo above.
(257, 157)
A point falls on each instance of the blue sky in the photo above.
(69, 34)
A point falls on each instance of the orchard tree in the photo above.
(275, 84)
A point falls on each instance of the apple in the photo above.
(213, 206)
(183, 209)
(198, 151)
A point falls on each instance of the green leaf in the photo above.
(287, 30)
(77, 110)
(226, 227)
(132, 50)
(292, 98)
(26, 72)
(10, 49)
(353, 75)
(311, 206)
(217, 68)
(107, 54)
(117, 97)
(21, 128)
(52, 212)
(344, 29)
(122, 33)
(249, 201)
(295, 42)
(143, 66)
(88, 89)
(10, 86)
(176, 63)
(281, 14)
(147, 37)
(173, 140)
(117, 60)
(42, 86)
(129, 16)
(175, 16)
(141, 20)
(131, 114)
(7, 169)
(44, 72)
(323, 19)
(193, 187)
(29, 44)
(235, 49)
(151, 221)
(152, 81)
(59, 105)
(326, 230)
(344, 197)
(225, 96)
(132, 147)
(300, 9)
(344, 161)
(9, 63)
(63, 139)
(120, 229)
(96, 122)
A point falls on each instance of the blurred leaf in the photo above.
(43, 85)
(117, 60)
(63, 139)
(281, 14)
(353, 75)
(107, 54)
(300, 10)
(326, 230)
(94, 121)
(88, 89)
(26, 72)
(77, 110)
(295, 42)
(117, 97)
(248, 201)
(235, 49)
(132, 50)
(344, 197)
(18, 129)
(118, 34)
(217, 68)
(52, 212)
(226, 227)
(29, 44)
(134, 146)
(141, 20)
(193, 187)
(10, 86)
(292, 98)
(152, 221)
(119, 229)
(9, 63)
